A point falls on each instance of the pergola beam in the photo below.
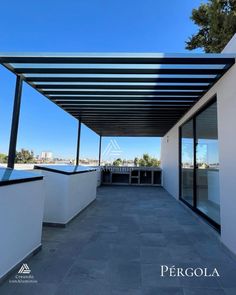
(116, 58)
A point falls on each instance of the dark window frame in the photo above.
(193, 117)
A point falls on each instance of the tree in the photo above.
(217, 24)
(146, 160)
(3, 158)
(24, 156)
(136, 161)
(117, 162)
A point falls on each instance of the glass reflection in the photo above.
(187, 147)
(207, 158)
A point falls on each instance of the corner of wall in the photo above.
(231, 46)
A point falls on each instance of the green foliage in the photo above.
(117, 162)
(136, 160)
(217, 24)
(3, 158)
(24, 156)
(146, 161)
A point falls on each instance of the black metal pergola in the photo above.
(117, 94)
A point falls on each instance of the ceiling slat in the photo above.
(121, 94)
(112, 71)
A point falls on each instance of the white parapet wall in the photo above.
(21, 216)
(67, 194)
(225, 89)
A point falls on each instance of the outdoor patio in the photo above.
(116, 246)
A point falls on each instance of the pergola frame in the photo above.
(117, 94)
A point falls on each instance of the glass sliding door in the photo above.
(187, 162)
(207, 163)
(199, 164)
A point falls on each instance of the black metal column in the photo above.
(78, 143)
(100, 150)
(15, 122)
(194, 164)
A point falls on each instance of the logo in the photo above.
(23, 276)
(24, 269)
(112, 149)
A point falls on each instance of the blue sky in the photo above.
(207, 151)
(82, 26)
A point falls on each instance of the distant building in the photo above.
(46, 156)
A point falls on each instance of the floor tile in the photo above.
(118, 244)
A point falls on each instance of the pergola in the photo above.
(119, 94)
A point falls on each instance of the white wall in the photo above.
(225, 89)
(227, 149)
(231, 46)
(169, 162)
(67, 195)
(21, 216)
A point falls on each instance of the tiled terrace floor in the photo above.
(116, 246)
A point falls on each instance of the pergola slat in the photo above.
(98, 92)
(119, 79)
(44, 87)
(121, 94)
(111, 71)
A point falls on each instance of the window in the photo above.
(199, 164)
(207, 163)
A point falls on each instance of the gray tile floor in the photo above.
(116, 246)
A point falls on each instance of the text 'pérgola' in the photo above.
(174, 271)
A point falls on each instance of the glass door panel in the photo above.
(187, 159)
(207, 163)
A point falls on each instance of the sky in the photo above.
(206, 152)
(82, 26)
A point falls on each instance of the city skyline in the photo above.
(106, 153)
